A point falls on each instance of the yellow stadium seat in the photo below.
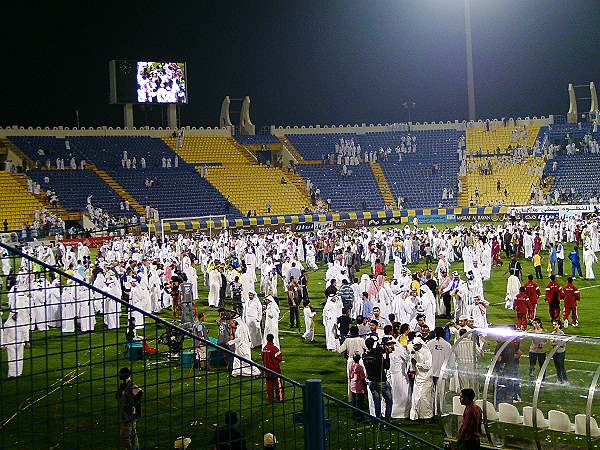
(211, 149)
(17, 204)
(489, 141)
(251, 186)
(515, 178)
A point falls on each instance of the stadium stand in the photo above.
(115, 184)
(250, 187)
(211, 149)
(52, 147)
(414, 177)
(347, 193)
(257, 139)
(404, 178)
(576, 175)
(106, 152)
(74, 186)
(313, 147)
(502, 137)
(181, 193)
(17, 204)
(515, 178)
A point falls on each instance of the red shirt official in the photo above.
(570, 294)
(520, 303)
(533, 291)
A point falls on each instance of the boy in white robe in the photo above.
(309, 326)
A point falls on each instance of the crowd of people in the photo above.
(348, 153)
(383, 321)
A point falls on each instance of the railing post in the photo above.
(314, 416)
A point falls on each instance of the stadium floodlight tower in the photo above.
(470, 77)
(552, 404)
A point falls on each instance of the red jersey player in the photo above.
(520, 305)
(272, 359)
(570, 294)
(533, 293)
(553, 298)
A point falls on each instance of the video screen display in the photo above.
(161, 82)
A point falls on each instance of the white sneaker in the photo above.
(566, 324)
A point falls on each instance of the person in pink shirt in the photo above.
(358, 385)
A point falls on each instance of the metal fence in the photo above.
(67, 341)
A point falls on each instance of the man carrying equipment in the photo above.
(129, 397)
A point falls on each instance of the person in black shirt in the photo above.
(343, 323)
(236, 295)
(331, 289)
(377, 362)
(229, 437)
(514, 267)
(431, 283)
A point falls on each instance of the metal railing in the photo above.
(69, 340)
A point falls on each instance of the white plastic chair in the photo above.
(457, 408)
(580, 426)
(560, 421)
(489, 410)
(528, 417)
(508, 413)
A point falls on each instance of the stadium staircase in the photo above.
(295, 153)
(463, 197)
(382, 182)
(300, 184)
(110, 181)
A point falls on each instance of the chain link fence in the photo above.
(84, 368)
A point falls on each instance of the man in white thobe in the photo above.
(271, 321)
(253, 314)
(422, 395)
(331, 311)
(242, 344)
(15, 334)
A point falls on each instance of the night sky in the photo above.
(301, 62)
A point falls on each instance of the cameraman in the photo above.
(377, 361)
(129, 396)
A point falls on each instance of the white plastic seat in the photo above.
(542, 422)
(508, 413)
(560, 421)
(489, 410)
(580, 425)
(457, 408)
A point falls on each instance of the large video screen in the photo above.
(161, 82)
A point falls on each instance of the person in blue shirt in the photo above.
(367, 311)
(575, 262)
(553, 258)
